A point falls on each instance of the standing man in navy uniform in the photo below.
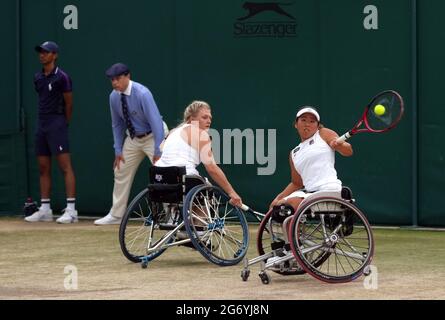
(138, 132)
(54, 88)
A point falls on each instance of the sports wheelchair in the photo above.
(328, 237)
(177, 209)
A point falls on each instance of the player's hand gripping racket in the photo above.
(382, 114)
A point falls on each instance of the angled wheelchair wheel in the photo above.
(270, 235)
(139, 230)
(218, 230)
(331, 239)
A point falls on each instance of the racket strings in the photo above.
(379, 118)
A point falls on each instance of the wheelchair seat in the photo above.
(177, 209)
(192, 181)
(171, 184)
(166, 184)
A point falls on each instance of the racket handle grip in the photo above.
(245, 208)
(344, 137)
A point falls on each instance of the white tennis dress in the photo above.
(314, 161)
(178, 153)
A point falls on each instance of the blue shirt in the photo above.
(51, 89)
(143, 112)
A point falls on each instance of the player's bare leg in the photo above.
(64, 161)
(45, 176)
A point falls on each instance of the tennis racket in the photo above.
(382, 114)
(258, 215)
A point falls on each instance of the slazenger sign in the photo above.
(246, 27)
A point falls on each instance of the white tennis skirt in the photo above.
(330, 187)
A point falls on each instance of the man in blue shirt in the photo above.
(138, 131)
(54, 88)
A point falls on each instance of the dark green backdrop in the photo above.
(186, 50)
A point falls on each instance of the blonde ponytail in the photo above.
(193, 109)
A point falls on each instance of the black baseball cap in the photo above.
(48, 46)
(116, 70)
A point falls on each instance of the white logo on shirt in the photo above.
(60, 148)
(50, 87)
(158, 177)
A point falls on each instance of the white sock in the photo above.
(71, 203)
(45, 204)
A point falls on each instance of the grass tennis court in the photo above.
(33, 258)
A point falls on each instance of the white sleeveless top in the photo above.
(314, 161)
(178, 153)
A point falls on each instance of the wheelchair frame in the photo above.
(303, 252)
(193, 210)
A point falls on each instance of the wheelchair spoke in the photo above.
(227, 242)
(214, 225)
(227, 218)
(198, 219)
(347, 243)
(232, 231)
(217, 204)
(214, 200)
(228, 247)
(137, 231)
(204, 208)
(214, 204)
(333, 239)
(356, 255)
(229, 234)
(338, 263)
(347, 259)
(139, 228)
(312, 236)
(315, 229)
(132, 242)
(351, 257)
(323, 225)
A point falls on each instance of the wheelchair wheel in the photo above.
(139, 229)
(217, 229)
(337, 234)
(271, 233)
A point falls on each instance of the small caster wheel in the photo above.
(367, 271)
(265, 278)
(144, 263)
(245, 274)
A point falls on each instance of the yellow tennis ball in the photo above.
(379, 110)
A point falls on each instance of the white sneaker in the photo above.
(70, 216)
(40, 216)
(108, 219)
